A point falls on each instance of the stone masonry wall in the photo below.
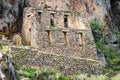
(59, 40)
(45, 15)
(27, 57)
(69, 49)
(84, 48)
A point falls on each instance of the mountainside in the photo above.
(86, 32)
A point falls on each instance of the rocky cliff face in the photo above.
(84, 8)
(11, 16)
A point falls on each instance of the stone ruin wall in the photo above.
(35, 17)
(76, 40)
(37, 34)
(66, 65)
(77, 43)
(69, 50)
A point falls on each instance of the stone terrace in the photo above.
(28, 57)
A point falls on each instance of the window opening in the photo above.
(66, 21)
(52, 20)
(39, 17)
(65, 38)
(81, 38)
(49, 36)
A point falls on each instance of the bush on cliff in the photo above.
(112, 56)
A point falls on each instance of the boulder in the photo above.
(17, 40)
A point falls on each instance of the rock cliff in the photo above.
(19, 16)
(84, 8)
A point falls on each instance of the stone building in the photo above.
(58, 32)
(64, 42)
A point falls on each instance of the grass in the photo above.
(51, 74)
(27, 73)
(43, 74)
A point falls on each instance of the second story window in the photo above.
(66, 21)
(52, 24)
(39, 17)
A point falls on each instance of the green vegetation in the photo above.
(20, 55)
(97, 29)
(4, 49)
(43, 74)
(24, 41)
(52, 26)
(50, 74)
(26, 72)
(68, 11)
(112, 56)
(117, 34)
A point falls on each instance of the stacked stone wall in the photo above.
(63, 64)
(69, 49)
(75, 46)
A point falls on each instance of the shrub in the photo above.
(111, 55)
(43, 74)
(97, 28)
